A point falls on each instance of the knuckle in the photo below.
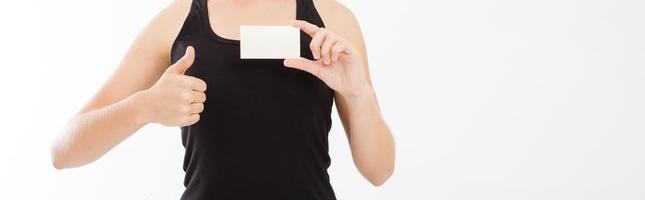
(190, 82)
(184, 82)
(321, 33)
(324, 33)
(324, 53)
(186, 96)
(337, 49)
(201, 108)
(194, 119)
(327, 44)
(330, 36)
(203, 84)
(184, 109)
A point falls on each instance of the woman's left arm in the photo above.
(341, 62)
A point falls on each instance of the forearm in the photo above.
(370, 138)
(91, 134)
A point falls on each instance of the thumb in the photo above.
(313, 67)
(183, 63)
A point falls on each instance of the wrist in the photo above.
(361, 100)
(362, 105)
(360, 94)
(139, 103)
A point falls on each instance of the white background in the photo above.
(494, 99)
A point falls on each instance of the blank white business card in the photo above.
(269, 42)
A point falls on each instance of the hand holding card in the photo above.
(337, 62)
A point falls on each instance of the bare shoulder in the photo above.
(165, 27)
(340, 19)
(335, 13)
(176, 11)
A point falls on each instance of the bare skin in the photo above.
(124, 103)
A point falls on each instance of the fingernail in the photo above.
(287, 62)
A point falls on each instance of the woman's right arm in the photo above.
(143, 89)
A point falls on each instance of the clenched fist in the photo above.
(176, 99)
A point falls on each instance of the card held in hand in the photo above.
(269, 42)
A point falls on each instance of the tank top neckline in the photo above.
(211, 32)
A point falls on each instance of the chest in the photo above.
(225, 17)
(231, 80)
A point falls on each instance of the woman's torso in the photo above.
(263, 133)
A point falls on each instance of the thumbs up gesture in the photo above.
(176, 99)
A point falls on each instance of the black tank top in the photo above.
(263, 132)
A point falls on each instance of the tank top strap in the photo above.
(307, 11)
(195, 17)
(192, 26)
(202, 9)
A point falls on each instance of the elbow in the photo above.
(62, 158)
(378, 176)
(64, 153)
(57, 165)
(378, 179)
(56, 159)
(59, 161)
(377, 172)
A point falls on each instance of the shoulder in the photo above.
(178, 7)
(162, 30)
(173, 14)
(335, 14)
(333, 5)
(341, 20)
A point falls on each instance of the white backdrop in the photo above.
(495, 99)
